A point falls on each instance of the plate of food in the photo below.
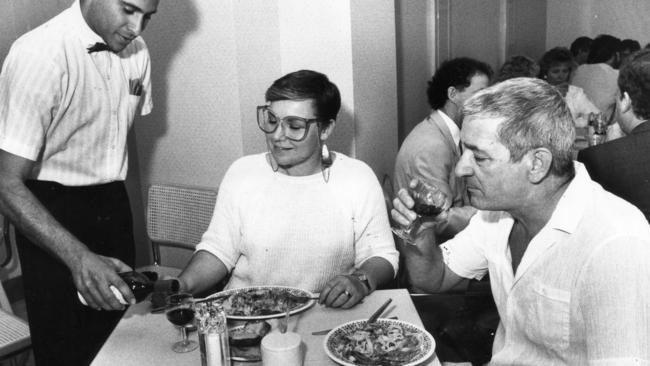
(263, 302)
(387, 342)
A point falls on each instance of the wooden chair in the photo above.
(176, 217)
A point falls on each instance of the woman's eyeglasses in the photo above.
(294, 128)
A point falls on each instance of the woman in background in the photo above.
(556, 66)
(298, 215)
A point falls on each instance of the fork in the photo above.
(325, 331)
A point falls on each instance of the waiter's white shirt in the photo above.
(581, 294)
(68, 110)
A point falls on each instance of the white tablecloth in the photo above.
(142, 338)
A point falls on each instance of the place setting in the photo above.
(256, 322)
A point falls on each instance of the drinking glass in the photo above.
(429, 203)
(180, 312)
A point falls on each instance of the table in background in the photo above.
(142, 338)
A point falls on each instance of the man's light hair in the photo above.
(535, 115)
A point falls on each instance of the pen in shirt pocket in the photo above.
(135, 87)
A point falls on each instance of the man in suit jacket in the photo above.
(431, 150)
(622, 166)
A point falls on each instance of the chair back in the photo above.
(178, 216)
(14, 331)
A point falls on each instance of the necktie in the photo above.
(97, 47)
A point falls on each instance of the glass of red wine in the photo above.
(429, 203)
(180, 312)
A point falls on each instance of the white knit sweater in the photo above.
(269, 228)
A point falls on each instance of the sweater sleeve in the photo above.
(222, 237)
(372, 234)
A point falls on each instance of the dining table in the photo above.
(144, 338)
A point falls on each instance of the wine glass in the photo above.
(180, 312)
(429, 202)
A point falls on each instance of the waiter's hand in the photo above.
(94, 274)
(342, 292)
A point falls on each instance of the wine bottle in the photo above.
(141, 285)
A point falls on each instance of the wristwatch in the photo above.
(363, 279)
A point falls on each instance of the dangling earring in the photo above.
(325, 156)
(326, 162)
(272, 162)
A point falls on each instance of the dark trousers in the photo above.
(64, 332)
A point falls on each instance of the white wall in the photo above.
(415, 60)
(211, 70)
(567, 20)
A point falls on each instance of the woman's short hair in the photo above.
(518, 66)
(554, 56)
(308, 84)
(535, 115)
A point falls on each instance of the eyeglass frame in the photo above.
(308, 121)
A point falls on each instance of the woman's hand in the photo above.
(342, 292)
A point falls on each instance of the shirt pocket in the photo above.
(548, 317)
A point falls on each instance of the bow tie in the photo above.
(97, 47)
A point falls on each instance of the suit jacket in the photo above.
(622, 166)
(429, 153)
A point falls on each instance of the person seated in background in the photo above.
(567, 260)
(628, 47)
(298, 215)
(431, 150)
(580, 49)
(623, 166)
(556, 65)
(598, 76)
(518, 66)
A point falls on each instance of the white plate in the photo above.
(335, 338)
(292, 290)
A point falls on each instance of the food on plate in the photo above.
(262, 301)
(381, 343)
(249, 335)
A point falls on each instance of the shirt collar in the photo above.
(641, 127)
(453, 128)
(87, 36)
(570, 207)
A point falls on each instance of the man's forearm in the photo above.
(423, 262)
(29, 216)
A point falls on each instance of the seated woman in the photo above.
(556, 67)
(298, 215)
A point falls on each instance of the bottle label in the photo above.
(116, 292)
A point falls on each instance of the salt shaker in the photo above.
(213, 334)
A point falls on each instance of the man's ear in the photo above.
(540, 160)
(625, 102)
(451, 93)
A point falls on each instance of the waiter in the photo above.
(69, 90)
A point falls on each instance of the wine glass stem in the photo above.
(183, 335)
